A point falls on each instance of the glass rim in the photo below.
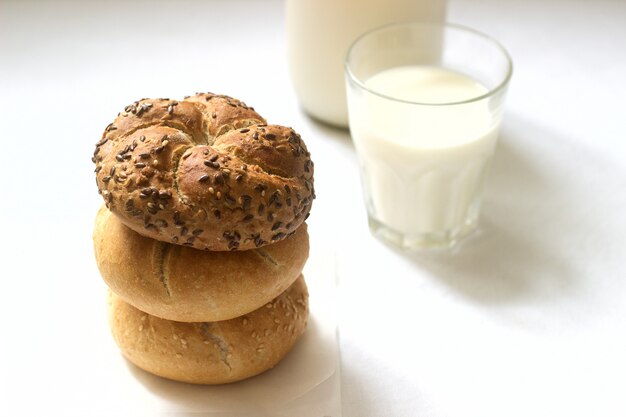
(445, 25)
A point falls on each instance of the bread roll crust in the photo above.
(185, 284)
(211, 353)
(204, 172)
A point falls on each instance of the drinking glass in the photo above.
(425, 101)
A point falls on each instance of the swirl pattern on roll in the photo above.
(205, 172)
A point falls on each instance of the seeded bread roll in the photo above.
(185, 284)
(205, 172)
(212, 352)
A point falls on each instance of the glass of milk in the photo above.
(425, 102)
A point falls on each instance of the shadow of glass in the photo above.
(516, 254)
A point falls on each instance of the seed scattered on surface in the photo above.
(203, 178)
(248, 217)
(273, 197)
(211, 189)
(276, 225)
(187, 154)
(277, 236)
(244, 130)
(140, 165)
(270, 136)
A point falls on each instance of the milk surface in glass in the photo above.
(423, 164)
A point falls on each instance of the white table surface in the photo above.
(528, 318)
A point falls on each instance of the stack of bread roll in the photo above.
(202, 239)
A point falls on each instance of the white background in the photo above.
(526, 318)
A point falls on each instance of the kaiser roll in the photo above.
(211, 352)
(205, 172)
(185, 284)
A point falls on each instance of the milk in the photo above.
(319, 33)
(423, 165)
